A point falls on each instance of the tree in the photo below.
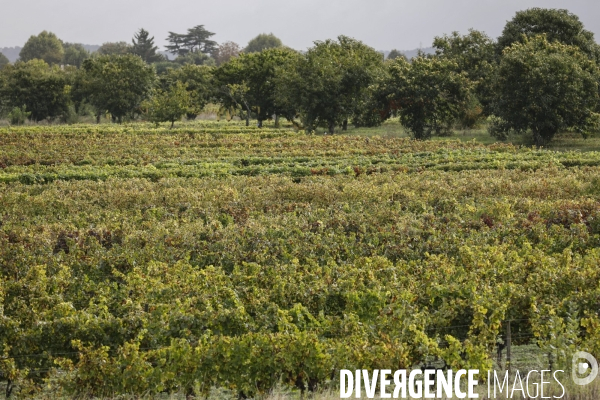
(41, 89)
(428, 94)
(75, 54)
(225, 52)
(168, 105)
(117, 84)
(474, 54)
(197, 39)
(143, 46)
(557, 25)
(197, 80)
(3, 61)
(45, 46)
(195, 58)
(255, 73)
(262, 42)
(395, 54)
(546, 87)
(115, 48)
(176, 44)
(328, 85)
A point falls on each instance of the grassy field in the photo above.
(143, 261)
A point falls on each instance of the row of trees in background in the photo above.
(542, 76)
(194, 47)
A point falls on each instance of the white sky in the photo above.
(382, 24)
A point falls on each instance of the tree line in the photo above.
(540, 76)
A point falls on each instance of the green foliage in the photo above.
(18, 115)
(395, 54)
(143, 46)
(262, 42)
(168, 105)
(114, 84)
(195, 58)
(45, 46)
(3, 61)
(162, 67)
(428, 93)
(196, 40)
(558, 25)
(75, 54)
(114, 49)
(474, 54)
(255, 72)
(197, 80)
(138, 260)
(328, 84)
(42, 89)
(545, 87)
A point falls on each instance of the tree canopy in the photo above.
(544, 87)
(256, 73)
(262, 42)
(328, 84)
(75, 54)
(395, 54)
(41, 89)
(113, 83)
(114, 48)
(3, 61)
(197, 80)
(428, 93)
(197, 39)
(557, 25)
(474, 54)
(167, 105)
(226, 51)
(45, 46)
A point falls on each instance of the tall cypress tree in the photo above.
(143, 46)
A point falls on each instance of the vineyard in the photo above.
(143, 260)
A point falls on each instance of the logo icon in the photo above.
(580, 368)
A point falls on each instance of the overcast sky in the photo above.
(382, 24)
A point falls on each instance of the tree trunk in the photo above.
(345, 125)
(247, 115)
(172, 124)
(260, 123)
(98, 118)
(331, 127)
(276, 121)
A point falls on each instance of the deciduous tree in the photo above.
(45, 46)
(197, 80)
(395, 54)
(428, 93)
(225, 52)
(327, 86)
(75, 54)
(256, 73)
(114, 48)
(262, 42)
(168, 105)
(558, 25)
(3, 61)
(41, 89)
(545, 87)
(117, 84)
(474, 54)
